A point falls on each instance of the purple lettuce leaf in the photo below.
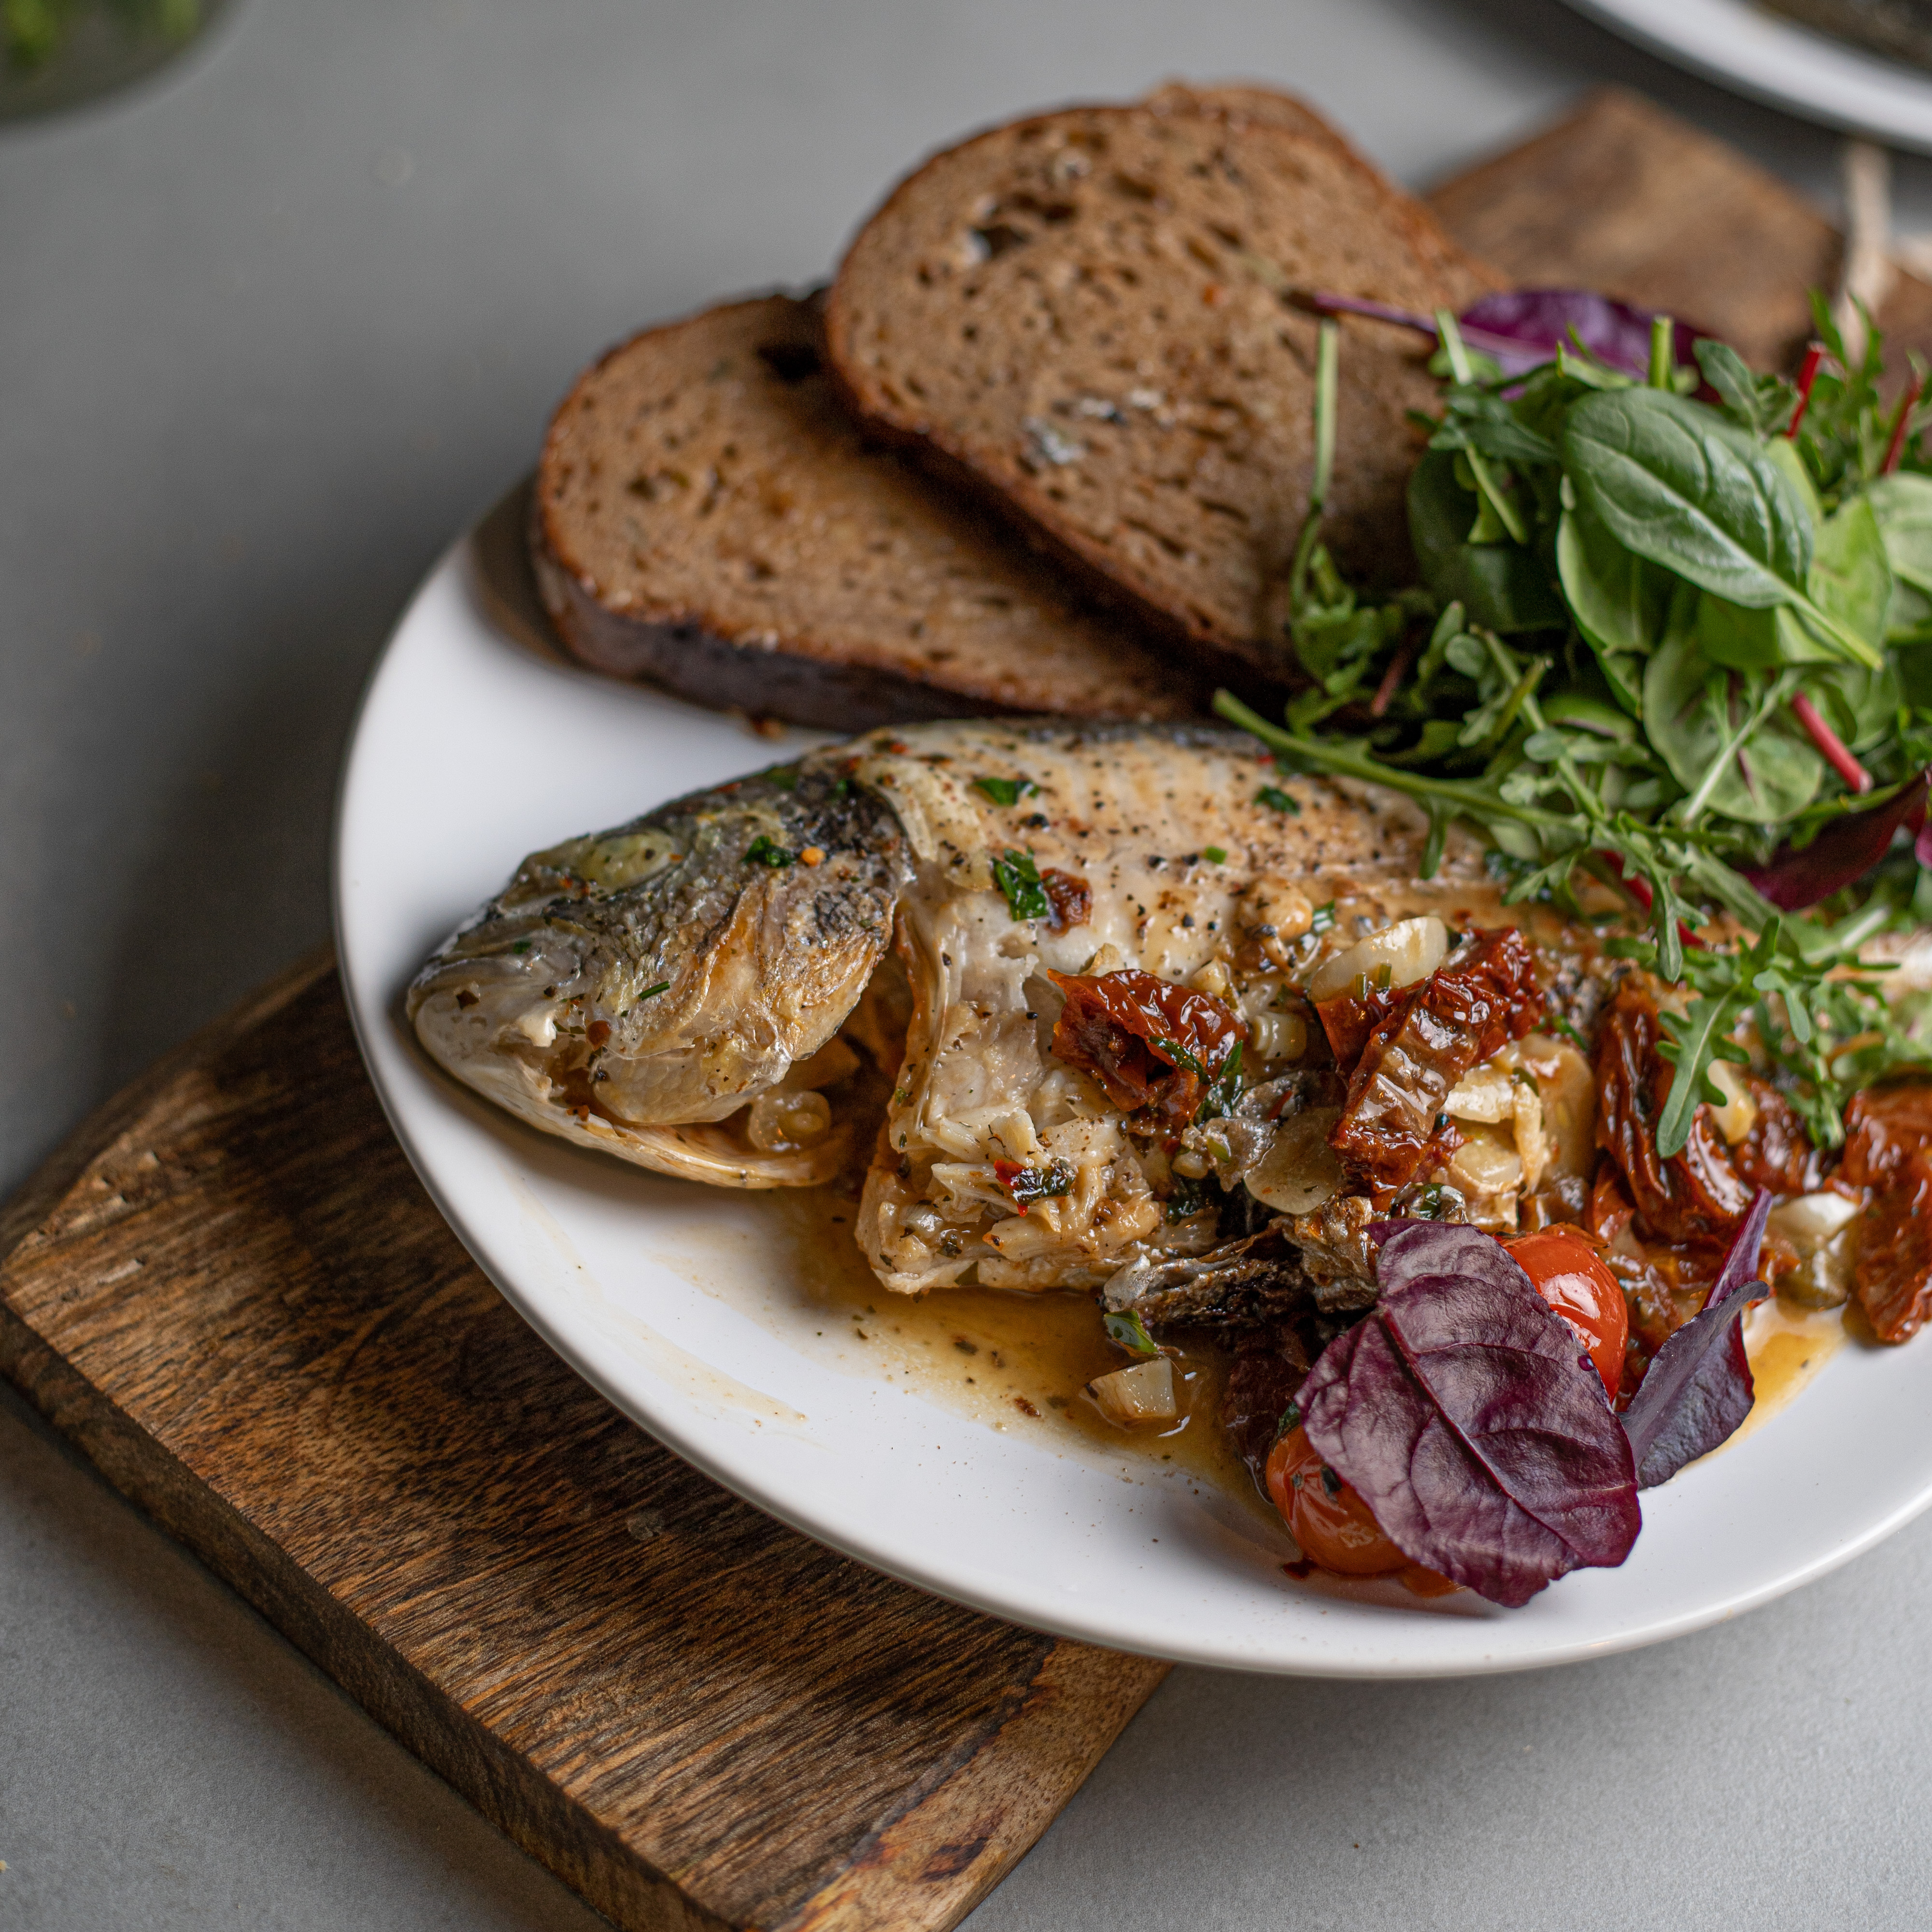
(1842, 853)
(1698, 1388)
(1522, 327)
(1459, 1409)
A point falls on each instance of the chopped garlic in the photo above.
(1410, 949)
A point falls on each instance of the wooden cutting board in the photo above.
(231, 1292)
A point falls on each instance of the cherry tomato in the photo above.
(1570, 1275)
(1332, 1523)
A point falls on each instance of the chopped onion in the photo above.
(1144, 1393)
(1412, 949)
(1823, 1229)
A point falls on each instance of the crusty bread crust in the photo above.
(1080, 315)
(706, 516)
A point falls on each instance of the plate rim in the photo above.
(369, 1010)
(1780, 63)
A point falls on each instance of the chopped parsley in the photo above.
(1126, 1330)
(1005, 791)
(1214, 855)
(1017, 877)
(1223, 1091)
(1278, 800)
(1029, 1184)
(762, 851)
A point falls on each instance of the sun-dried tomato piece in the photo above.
(1069, 897)
(1696, 1196)
(1350, 1022)
(1893, 1276)
(1149, 1042)
(1883, 1129)
(1778, 1152)
(1465, 1012)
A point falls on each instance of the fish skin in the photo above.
(764, 965)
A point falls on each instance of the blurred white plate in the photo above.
(694, 1310)
(1775, 59)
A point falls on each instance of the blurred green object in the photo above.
(55, 53)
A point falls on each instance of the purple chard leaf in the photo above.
(1522, 328)
(1843, 852)
(1698, 1388)
(1458, 1409)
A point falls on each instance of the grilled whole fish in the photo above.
(673, 992)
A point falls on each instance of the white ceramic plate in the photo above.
(1771, 58)
(693, 1309)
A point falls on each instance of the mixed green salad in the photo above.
(1673, 633)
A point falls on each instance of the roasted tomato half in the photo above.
(1570, 1275)
(1332, 1523)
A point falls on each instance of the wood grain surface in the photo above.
(230, 1291)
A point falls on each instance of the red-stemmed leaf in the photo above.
(1460, 1412)
(1842, 853)
(1698, 1388)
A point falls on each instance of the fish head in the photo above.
(636, 985)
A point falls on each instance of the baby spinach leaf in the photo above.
(1902, 504)
(1673, 481)
(1851, 575)
(1694, 710)
(1849, 580)
(1502, 586)
(1618, 599)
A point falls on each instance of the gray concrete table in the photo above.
(271, 329)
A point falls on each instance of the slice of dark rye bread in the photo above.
(707, 516)
(1083, 314)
